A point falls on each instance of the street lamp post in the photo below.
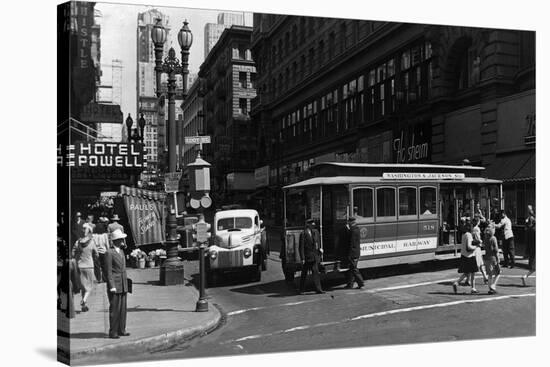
(129, 123)
(171, 271)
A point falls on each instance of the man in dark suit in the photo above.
(310, 248)
(117, 285)
(353, 255)
(77, 228)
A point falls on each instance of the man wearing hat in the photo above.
(310, 241)
(117, 285)
(115, 225)
(77, 228)
(353, 255)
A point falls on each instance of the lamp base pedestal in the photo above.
(171, 271)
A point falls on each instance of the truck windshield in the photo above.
(234, 223)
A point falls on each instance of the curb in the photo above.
(153, 343)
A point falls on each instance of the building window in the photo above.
(294, 37)
(331, 41)
(343, 36)
(242, 52)
(253, 80)
(243, 106)
(302, 29)
(242, 79)
(280, 50)
(287, 44)
(321, 51)
(311, 60)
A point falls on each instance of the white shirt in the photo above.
(507, 224)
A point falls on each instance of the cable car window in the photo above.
(407, 201)
(363, 203)
(385, 202)
(428, 203)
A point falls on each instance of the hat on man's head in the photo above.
(78, 214)
(310, 221)
(115, 217)
(117, 235)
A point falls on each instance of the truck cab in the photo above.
(238, 243)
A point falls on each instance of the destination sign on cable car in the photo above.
(422, 176)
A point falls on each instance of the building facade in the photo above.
(192, 123)
(367, 91)
(213, 31)
(229, 74)
(147, 102)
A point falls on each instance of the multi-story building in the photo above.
(213, 31)
(192, 123)
(147, 102)
(230, 77)
(366, 91)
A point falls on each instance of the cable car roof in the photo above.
(400, 165)
(347, 180)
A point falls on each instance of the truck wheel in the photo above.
(257, 274)
(288, 272)
(211, 278)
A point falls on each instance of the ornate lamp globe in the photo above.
(158, 33)
(185, 37)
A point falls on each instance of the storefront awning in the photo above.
(514, 167)
(145, 211)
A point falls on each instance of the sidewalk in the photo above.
(158, 316)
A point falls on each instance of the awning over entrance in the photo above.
(513, 167)
(145, 211)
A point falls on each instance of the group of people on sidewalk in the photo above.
(310, 254)
(472, 241)
(96, 257)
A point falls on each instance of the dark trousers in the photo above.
(314, 267)
(100, 269)
(509, 251)
(117, 313)
(353, 273)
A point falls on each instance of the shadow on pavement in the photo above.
(48, 353)
(89, 335)
(143, 309)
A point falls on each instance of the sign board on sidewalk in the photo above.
(172, 181)
(202, 232)
(195, 140)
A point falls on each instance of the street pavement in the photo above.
(411, 303)
(158, 317)
(400, 304)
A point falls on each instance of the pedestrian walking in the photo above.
(354, 252)
(508, 246)
(468, 264)
(310, 249)
(490, 259)
(117, 285)
(101, 239)
(477, 241)
(77, 228)
(86, 252)
(89, 224)
(530, 235)
(114, 225)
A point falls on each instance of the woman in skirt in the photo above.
(468, 264)
(477, 240)
(86, 252)
(530, 234)
(491, 258)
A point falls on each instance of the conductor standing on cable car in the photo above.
(310, 247)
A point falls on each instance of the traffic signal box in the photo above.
(201, 232)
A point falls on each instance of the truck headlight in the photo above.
(247, 253)
(213, 254)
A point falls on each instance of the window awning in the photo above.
(514, 167)
(145, 211)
